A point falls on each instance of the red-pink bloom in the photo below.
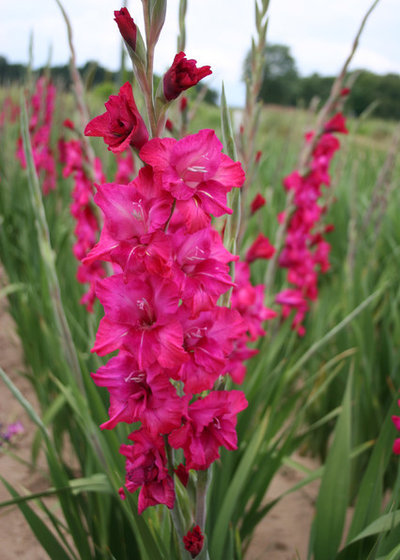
(169, 125)
(210, 424)
(209, 340)
(128, 212)
(345, 91)
(235, 365)
(69, 124)
(183, 104)
(121, 125)
(260, 249)
(146, 468)
(257, 202)
(126, 27)
(134, 219)
(201, 268)
(396, 422)
(140, 316)
(140, 396)
(182, 75)
(196, 173)
(193, 541)
(86, 228)
(249, 301)
(258, 156)
(182, 473)
(40, 124)
(125, 167)
(336, 124)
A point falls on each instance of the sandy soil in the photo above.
(283, 535)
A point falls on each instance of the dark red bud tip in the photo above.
(257, 202)
(126, 26)
(183, 104)
(69, 124)
(193, 541)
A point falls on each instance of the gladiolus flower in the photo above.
(183, 104)
(121, 125)
(69, 124)
(182, 75)
(396, 444)
(182, 473)
(257, 202)
(146, 467)
(126, 26)
(196, 173)
(210, 424)
(260, 249)
(193, 541)
(336, 124)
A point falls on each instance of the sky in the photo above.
(319, 33)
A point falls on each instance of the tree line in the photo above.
(92, 73)
(283, 85)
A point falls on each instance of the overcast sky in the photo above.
(319, 33)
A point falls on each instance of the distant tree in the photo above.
(10, 73)
(280, 82)
(371, 87)
(314, 86)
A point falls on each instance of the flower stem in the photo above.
(203, 482)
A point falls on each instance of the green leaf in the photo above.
(333, 495)
(48, 418)
(46, 538)
(369, 498)
(239, 480)
(382, 524)
(393, 555)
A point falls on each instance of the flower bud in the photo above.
(126, 27)
(182, 75)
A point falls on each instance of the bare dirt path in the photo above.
(16, 538)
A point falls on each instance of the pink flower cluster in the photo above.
(72, 155)
(306, 252)
(42, 103)
(161, 311)
(396, 443)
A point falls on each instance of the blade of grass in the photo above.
(333, 495)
